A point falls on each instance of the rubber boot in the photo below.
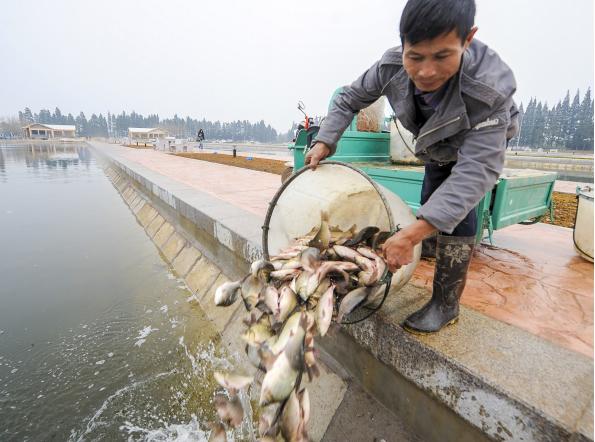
(453, 255)
(428, 247)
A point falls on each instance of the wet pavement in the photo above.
(532, 279)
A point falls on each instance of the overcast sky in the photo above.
(233, 59)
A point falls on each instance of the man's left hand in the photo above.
(398, 249)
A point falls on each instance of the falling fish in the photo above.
(324, 310)
(291, 298)
(227, 293)
(231, 381)
(230, 410)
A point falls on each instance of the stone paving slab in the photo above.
(202, 276)
(173, 246)
(146, 214)
(186, 260)
(163, 235)
(155, 225)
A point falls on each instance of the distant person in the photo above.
(454, 94)
(200, 137)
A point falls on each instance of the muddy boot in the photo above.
(453, 255)
(428, 247)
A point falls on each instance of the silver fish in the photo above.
(267, 420)
(346, 252)
(258, 331)
(309, 258)
(250, 290)
(362, 236)
(230, 410)
(271, 299)
(217, 433)
(324, 310)
(284, 274)
(323, 236)
(227, 293)
(262, 269)
(287, 303)
(291, 418)
(232, 381)
(280, 379)
(351, 301)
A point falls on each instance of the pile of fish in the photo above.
(324, 275)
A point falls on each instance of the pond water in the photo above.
(98, 338)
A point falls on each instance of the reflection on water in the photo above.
(98, 339)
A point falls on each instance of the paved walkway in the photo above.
(533, 279)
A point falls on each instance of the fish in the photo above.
(262, 269)
(289, 327)
(309, 259)
(292, 297)
(268, 419)
(310, 356)
(259, 331)
(227, 293)
(291, 418)
(324, 310)
(339, 236)
(230, 410)
(380, 264)
(250, 290)
(232, 381)
(362, 236)
(270, 300)
(352, 300)
(217, 433)
(315, 297)
(346, 252)
(285, 274)
(281, 378)
(323, 237)
(302, 284)
(287, 303)
(304, 398)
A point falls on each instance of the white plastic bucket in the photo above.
(348, 195)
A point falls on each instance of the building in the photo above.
(47, 131)
(145, 133)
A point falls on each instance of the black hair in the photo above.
(427, 19)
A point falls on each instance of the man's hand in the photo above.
(398, 249)
(315, 155)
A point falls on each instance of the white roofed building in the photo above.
(146, 133)
(38, 130)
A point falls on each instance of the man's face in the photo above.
(431, 63)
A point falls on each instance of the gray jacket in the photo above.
(471, 125)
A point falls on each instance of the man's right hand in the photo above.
(315, 155)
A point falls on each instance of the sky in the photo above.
(251, 60)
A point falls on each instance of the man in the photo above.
(455, 95)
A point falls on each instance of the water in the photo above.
(98, 340)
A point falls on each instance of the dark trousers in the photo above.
(435, 175)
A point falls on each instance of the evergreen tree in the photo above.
(81, 125)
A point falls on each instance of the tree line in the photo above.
(116, 125)
(567, 125)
